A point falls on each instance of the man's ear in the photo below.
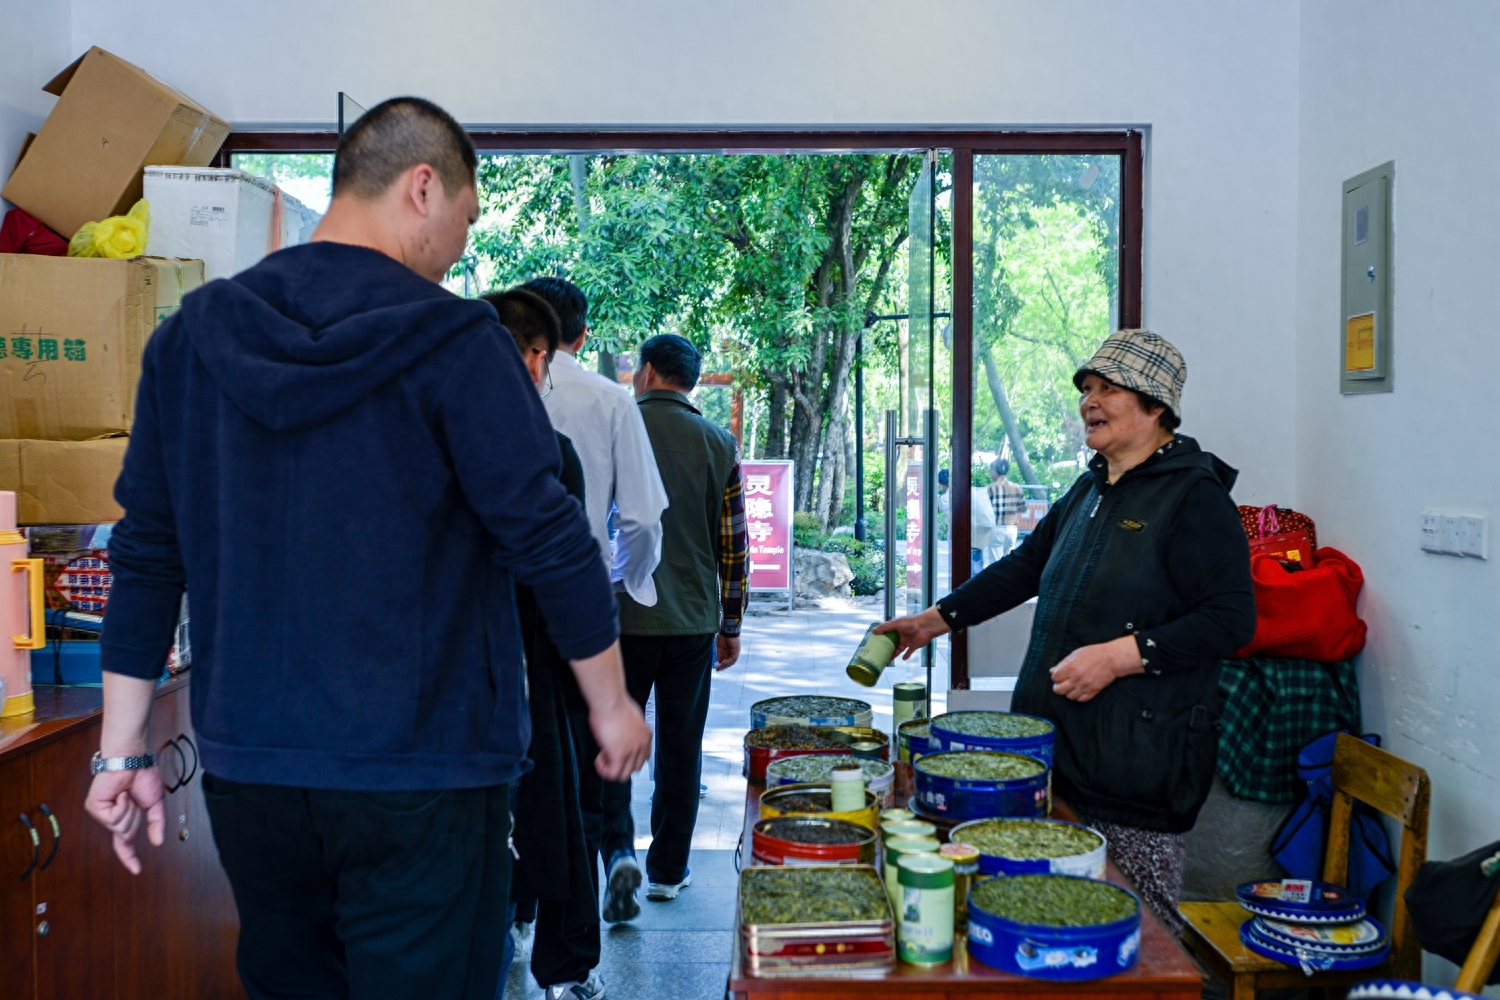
(423, 187)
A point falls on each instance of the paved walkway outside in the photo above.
(680, 950)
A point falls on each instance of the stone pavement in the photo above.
(680, 950)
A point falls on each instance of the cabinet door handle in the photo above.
(181, 767)
(56, 835)
(193, 747)
(36, 846)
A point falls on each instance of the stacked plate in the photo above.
(1314, 925)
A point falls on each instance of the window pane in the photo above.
(308, 177)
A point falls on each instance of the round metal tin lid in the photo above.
(1301, 901)
(1405, 989)
(1359, 937)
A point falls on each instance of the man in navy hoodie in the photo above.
(350, 469)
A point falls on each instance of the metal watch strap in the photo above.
(102, 763)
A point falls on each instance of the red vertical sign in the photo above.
(914, 534)
(768, 519)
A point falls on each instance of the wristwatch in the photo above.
(102, 763)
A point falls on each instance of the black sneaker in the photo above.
(619, 897)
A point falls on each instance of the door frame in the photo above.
(964, 145)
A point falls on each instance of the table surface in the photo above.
(60, 708)
(1164, 970)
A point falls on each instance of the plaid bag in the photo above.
(1286, 520)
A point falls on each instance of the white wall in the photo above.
(1215, 83)
(35, 42)
(1415, 83)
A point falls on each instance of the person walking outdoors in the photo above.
(349, 467)
(620, 469)
(701, 588)
(1007, 500)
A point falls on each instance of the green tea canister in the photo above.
(908, 701)
(924, 915)
(896, 848)
(893, 828)
(871, 658)
(848, 787)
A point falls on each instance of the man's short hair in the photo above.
(528, 317)
(567, 300)
(675, 359)
(1000, 466)
(396, 135)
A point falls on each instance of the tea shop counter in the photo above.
(1164, 970)
(73, 921)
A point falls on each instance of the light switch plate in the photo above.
(1451, 543)
(1474, 535)
(1456, 534)
(1432, 531)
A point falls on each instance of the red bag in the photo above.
(1293, 544)
(21, 233)
(1306, 614)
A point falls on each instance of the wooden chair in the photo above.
(1380, 780)
(1482, 955)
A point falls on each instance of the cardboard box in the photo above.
(63, 482)
(227, 218)
(111, 120)
(71, 334)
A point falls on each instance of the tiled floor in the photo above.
(680, 950)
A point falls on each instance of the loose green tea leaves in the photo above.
(1002, 725)
(806, 830)
(1028, 839)
(811, 769)
(811, 896)
(979, 765)
(791, 738)
(801, 802)
(1053, 900)
(916, 729)
(811, 706)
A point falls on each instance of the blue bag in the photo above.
(1299, 845)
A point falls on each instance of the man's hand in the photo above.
(1087, 670)
(119, 800)
(623, 737)
(915, 631)
(728, 648)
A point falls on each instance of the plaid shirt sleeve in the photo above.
(734, 550)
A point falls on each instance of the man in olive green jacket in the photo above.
(694, 626)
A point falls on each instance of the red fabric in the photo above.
(20, 233)
(1306, 614)
(1292, 545)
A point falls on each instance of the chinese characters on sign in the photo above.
(914, 538)
(24, 348)
(768, 520)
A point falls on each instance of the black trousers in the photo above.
(680, 668)
(365, 895)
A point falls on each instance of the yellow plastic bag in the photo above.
(116, 237)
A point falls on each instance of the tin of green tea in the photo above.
(924, 917)
(894, 849)
(908, 701)
(873, 655)
(906, 827)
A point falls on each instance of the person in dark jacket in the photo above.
(350, 469)
(1142, 574)
(553, 886)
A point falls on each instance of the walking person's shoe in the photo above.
(592, 989)
(619, 896)
(666, 891)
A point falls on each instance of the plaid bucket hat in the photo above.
(1143, 361)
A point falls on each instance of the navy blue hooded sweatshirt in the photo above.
(348, 468)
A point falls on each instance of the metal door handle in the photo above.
(56, 835)
(184, 738)
(36, 846)
(181, 767)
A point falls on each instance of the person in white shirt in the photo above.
(619, 473)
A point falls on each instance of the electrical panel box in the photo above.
(1366, 333)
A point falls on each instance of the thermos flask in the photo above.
(22, 612)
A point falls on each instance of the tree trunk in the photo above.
(1007, 416)
(776, 422)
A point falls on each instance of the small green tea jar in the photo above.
(924, 917)
(897, 848)
(908, 701)
(906, 828)
(871, 658)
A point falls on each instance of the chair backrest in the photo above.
(1400, 790)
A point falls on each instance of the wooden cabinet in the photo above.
(79, 924)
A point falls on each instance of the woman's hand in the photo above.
(915, 631)
(1087, 670)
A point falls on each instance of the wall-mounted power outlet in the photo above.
(1456, 534)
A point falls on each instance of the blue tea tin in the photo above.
(1405, 989)
(1089, 864)
(789, 710)
(1301, 901)
(945, 734)
(981, 798)
(1058, 953)
(1308, 960)
(1360, 937)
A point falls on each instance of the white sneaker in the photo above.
(592, 989)
(667, 891)
(522, 936)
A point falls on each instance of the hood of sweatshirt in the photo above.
(314, 329)
(1181, 453)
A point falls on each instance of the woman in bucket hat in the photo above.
(1142, 574)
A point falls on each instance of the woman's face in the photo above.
(1113, 419)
